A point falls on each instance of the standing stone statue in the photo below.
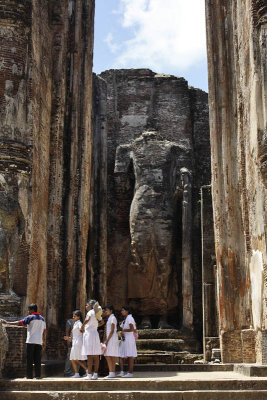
(152, 283)
(11, 227)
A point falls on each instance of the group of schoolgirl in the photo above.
(86, 343)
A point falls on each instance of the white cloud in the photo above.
(164, 33)
(109, 39)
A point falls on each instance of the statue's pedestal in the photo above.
(10, 306)
(167, 346)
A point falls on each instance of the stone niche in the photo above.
(158, 157)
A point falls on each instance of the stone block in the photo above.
(216, 354)
(261, 347)
(231, 347)
(15, 363)
(248, 337)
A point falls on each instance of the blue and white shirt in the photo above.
(35, 328)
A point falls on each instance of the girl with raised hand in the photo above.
(91, 341)
(111, 341)
(127, 347)
(77, 342)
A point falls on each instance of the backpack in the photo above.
(98, 311)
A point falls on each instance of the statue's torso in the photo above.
(154, 167)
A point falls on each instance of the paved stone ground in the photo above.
(169, 375)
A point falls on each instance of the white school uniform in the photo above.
(91, 342)
(112, 349)
(77, 342)
(128, 346)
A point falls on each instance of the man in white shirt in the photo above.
(36, 339)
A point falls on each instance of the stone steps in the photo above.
(165, 334)
(138, 395)
(184, 367)
(166, 383)
(165, 386)
(51, 369)
(176, 345)
(165, 357)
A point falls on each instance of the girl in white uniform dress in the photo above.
(111, 341)
(127, 347)
(91, 341)
(77, 342)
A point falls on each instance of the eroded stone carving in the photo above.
(11, 227)
(156, 166)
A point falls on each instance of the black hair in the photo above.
(33, 307)
(111, 308)
(127, 308)
(79, 314)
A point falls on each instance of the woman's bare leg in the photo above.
(130, 364)
(89, 364)
(109, 361)
(96, 363)
(81, 364)
(74, 366)
(113, 364)
(121, 363)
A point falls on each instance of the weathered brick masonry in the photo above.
(15, 365)
(236, 42)
(46, 51)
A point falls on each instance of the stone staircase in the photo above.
(160, 386)
(167, 346)
(164, 371)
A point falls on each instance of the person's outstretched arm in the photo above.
(17, 323)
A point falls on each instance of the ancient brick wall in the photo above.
(236, 41)
(61, 177)
(97, 245)
(41, 109)
(15, 119)
(248, 337)
(209, 282)
(231, 346)
(45, 147)
(15, 364)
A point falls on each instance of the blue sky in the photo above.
(167, 36)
